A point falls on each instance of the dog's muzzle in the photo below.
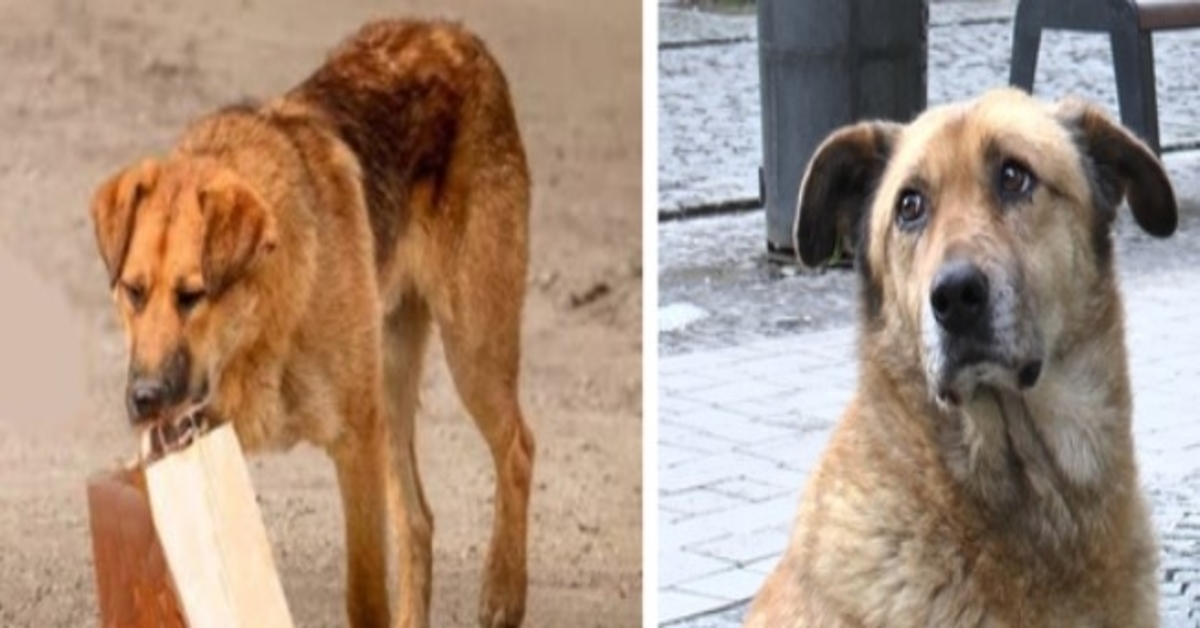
(153, 392)
(978, 334)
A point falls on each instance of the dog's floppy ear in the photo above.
(113, 207)
(1124, 168)
(238, 230)
(839, 181)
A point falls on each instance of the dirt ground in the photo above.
(89, 86)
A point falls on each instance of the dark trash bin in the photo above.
(824, 64)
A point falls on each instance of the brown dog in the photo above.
(284, 263)
(984, 474)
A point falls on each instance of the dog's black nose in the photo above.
(145, 397)
(959, 297)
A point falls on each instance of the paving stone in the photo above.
(697, 440)
(676, 565)
(751, 489)
(799, 452)
(676, 453)
(674, 604)
(733, 428)
(732, 585)
(733, 391)
(685, 381)
(697, 501)
(744, 549)
(709, 470)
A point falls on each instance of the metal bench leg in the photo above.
(1027, 39)
(1133, 58)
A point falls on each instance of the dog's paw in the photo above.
(501, 607)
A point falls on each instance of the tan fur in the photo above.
(1015, 506)
(325, 233)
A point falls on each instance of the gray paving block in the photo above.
(676, 565)
(734, 390)
(733, 428)
(748, 519)
(673, 407)
(677, 535)
(732, 585)
(673, 455)
(684, 381)
(744, 549)
(799, 451)
(697, 501)
(762, 567)
(751, 489)
(709, 470)
(693, 439)
(674, 604)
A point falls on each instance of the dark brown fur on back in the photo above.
(401, 124)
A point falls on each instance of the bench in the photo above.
(1129, 25)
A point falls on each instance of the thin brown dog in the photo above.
(984, 473)
(284, 263)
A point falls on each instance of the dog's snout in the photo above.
(145, 398)
(153, 390)
(959, 297)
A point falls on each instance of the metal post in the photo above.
(824, 64)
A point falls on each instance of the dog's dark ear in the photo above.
(113, 207)
(839, 181)
(1123, 168)
(239, 229)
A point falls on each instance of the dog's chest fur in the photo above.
(916, 513)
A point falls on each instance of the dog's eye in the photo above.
(186, 299)
(911, 209)
(136, 295)
(1016, 182)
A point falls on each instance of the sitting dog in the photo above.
(984, 473)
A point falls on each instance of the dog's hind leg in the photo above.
(405, 336)
(359, 456)
(482, 348)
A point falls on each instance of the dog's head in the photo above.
(985, 229)
(178, 239)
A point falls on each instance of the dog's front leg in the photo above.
(359, 455)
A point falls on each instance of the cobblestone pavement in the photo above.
(710, 142)
(756, 360)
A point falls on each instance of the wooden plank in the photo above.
(257, 592)
(180, 542)
(204, 508)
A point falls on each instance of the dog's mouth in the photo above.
(1008, 354)
(957, 383)
(167, 435)
(176, 428)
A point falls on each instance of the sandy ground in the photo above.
(89, 86)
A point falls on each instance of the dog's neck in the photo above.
(994, 447)
(1045, 459)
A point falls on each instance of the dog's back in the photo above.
(399, 93)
